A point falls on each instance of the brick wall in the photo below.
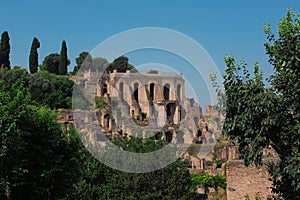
(242, 180)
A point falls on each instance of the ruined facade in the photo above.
(154, 103)
(145, 103)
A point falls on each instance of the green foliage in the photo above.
(4, 51)
(51, 90)
(33, 56)
(14, 76)
(83, 60)
(257, 117)
(100, 63)
(247, 197)
(45, 88)
(207, 181)
(120, 64)
(63, 60)
(51, 63)
(37, 159)
(100, 102)
(102, 182)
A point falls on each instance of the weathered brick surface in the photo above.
(242, 180)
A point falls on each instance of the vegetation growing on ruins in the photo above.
(207, 181)
(41, 159)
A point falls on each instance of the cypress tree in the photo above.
(63, 61)
(4, 50)
(33, 57)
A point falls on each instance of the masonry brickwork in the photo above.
(251, 181)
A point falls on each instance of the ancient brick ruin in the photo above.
(154, 103)
(147, 103)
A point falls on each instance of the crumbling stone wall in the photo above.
(242, 180)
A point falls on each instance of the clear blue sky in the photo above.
(221, 27)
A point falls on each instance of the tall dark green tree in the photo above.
(63, 61)
(34, 57)
(51, 63)
(259, 116)
(4, 50)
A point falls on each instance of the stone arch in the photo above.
(121, 90)
(179, 91)
(152, 91)
(106, 121)
(103, 86)
(167, 91)
(168, 136)
(199, 133)
(158, 136)
(171, 108)
(136, 91)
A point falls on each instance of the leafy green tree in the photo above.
(102, 182)
(38, 159)
(33, 56)
(4, 50)
(51, 90)
(46, 89)
(258, 116)
(63, 60)
(16, 75)
(120, 64)
(85, 59)
(51, 63)
(100, 63)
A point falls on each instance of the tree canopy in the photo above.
(38, 160)
(45, 88)
(51, 63)
(85, 59)
(258, 116)
(102, 182)
(120, 64)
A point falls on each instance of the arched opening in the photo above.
(106, 121)
(179, 91)
(168, 136)
(136, 92)
(171, 107)
(179, 137)
(196, 120)
(158, 136)
(199, 133)
(151, 91)
(103, 86)
(121, 89)
(167, 91)
(104, 89)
